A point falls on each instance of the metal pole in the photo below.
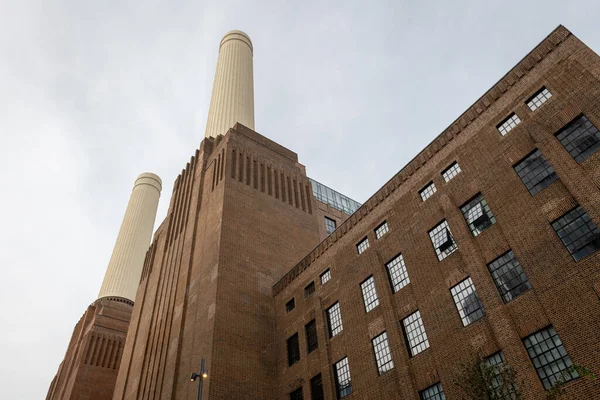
(201, 379)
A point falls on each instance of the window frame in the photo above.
(312, 337)
(327, 274)
(383, 353)
(463, 305)
(507, 295)
(593, 229)
(381, 227)
(542, 184)
(328, 225)
(309, 289)
(363, 245)
(334, 331)
(450, 173)
(541, 93)
(487, 217)
(293, 353)
(442, 255)
(400, 272)
(426, 193)
(369, 293)
(508, 124)
(423, 344)
(342, 391)
(290, 305)
(579, 158)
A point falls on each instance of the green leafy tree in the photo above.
(557, 390)
(482, 380)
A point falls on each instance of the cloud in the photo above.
(94, 93)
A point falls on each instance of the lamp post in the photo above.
(202, 375)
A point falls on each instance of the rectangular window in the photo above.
(293, 349)
(369, 293)
(381, 230)
(435, 392)
(509, 277)
(363, 245)
(497, 364)
(508, 124)
(578, 232)
(330, 225)
(334, 319)
(309, 289)
(297, 394)
(325, 276)
(467, 302)
(539, 98)
(383, 355)
(549, 357)
(478, 215)
(290, 305)
(343, 385)
(312, 343)
(414, 333)
(442, 240)
(535, 172)
(451, 171)
(580, 138)
(316, 388)
(397, 273)
(428, 191)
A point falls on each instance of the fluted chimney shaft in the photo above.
(233, 89)
(125, 267)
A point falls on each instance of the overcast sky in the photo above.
(92, 93)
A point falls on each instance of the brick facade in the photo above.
(244, 235)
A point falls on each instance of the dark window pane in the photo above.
(293, 349)
(509, 277)
(535, 172)
(478, 215)
(309, 289)
(311, 336)
(580, 138)
(330, 225)
(435, 392)
(296, 394)
(549, 357)
(290, 305)
(578, 232)
(467, 302)
(316, 388)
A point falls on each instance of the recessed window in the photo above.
(381, 230)
(478, 215)
(369, 294)
(535, 172)
(414, 333)
(535, 101)
(497, 364)
(435, 392)
(383, 355)
(467, 302)
(297, 394)
(451, 171)
(549, 357)
(397, 273)
(316, 388)
(309, 289)
(325, 276)
(578, 232)
(334, 319)
(363, 245)
(442, 240)
(428, 191)
(509, 277)
(290, 305)
(343, 385)
(293, 349)
(580, 138)
(330, 225)
(508, 124)
(312, 343)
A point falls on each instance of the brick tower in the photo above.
(89, 369)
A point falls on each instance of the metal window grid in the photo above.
(580, 138)
(381, 230)
(478, 215)
(451, 171)
(549, 357)
(363, 245)
(343, 383)
(428, 191)
(509, 276)
(414, 332)
(325, 276)
(439, 235)
(334, 318)
(578, 232)
(330, 225)
(508, 124)
(535, 172)
(538, 99)
(467, 302)
(435, 392)
(397, 273)
(383, 354)
(369, 294)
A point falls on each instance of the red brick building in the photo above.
(485, 243)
